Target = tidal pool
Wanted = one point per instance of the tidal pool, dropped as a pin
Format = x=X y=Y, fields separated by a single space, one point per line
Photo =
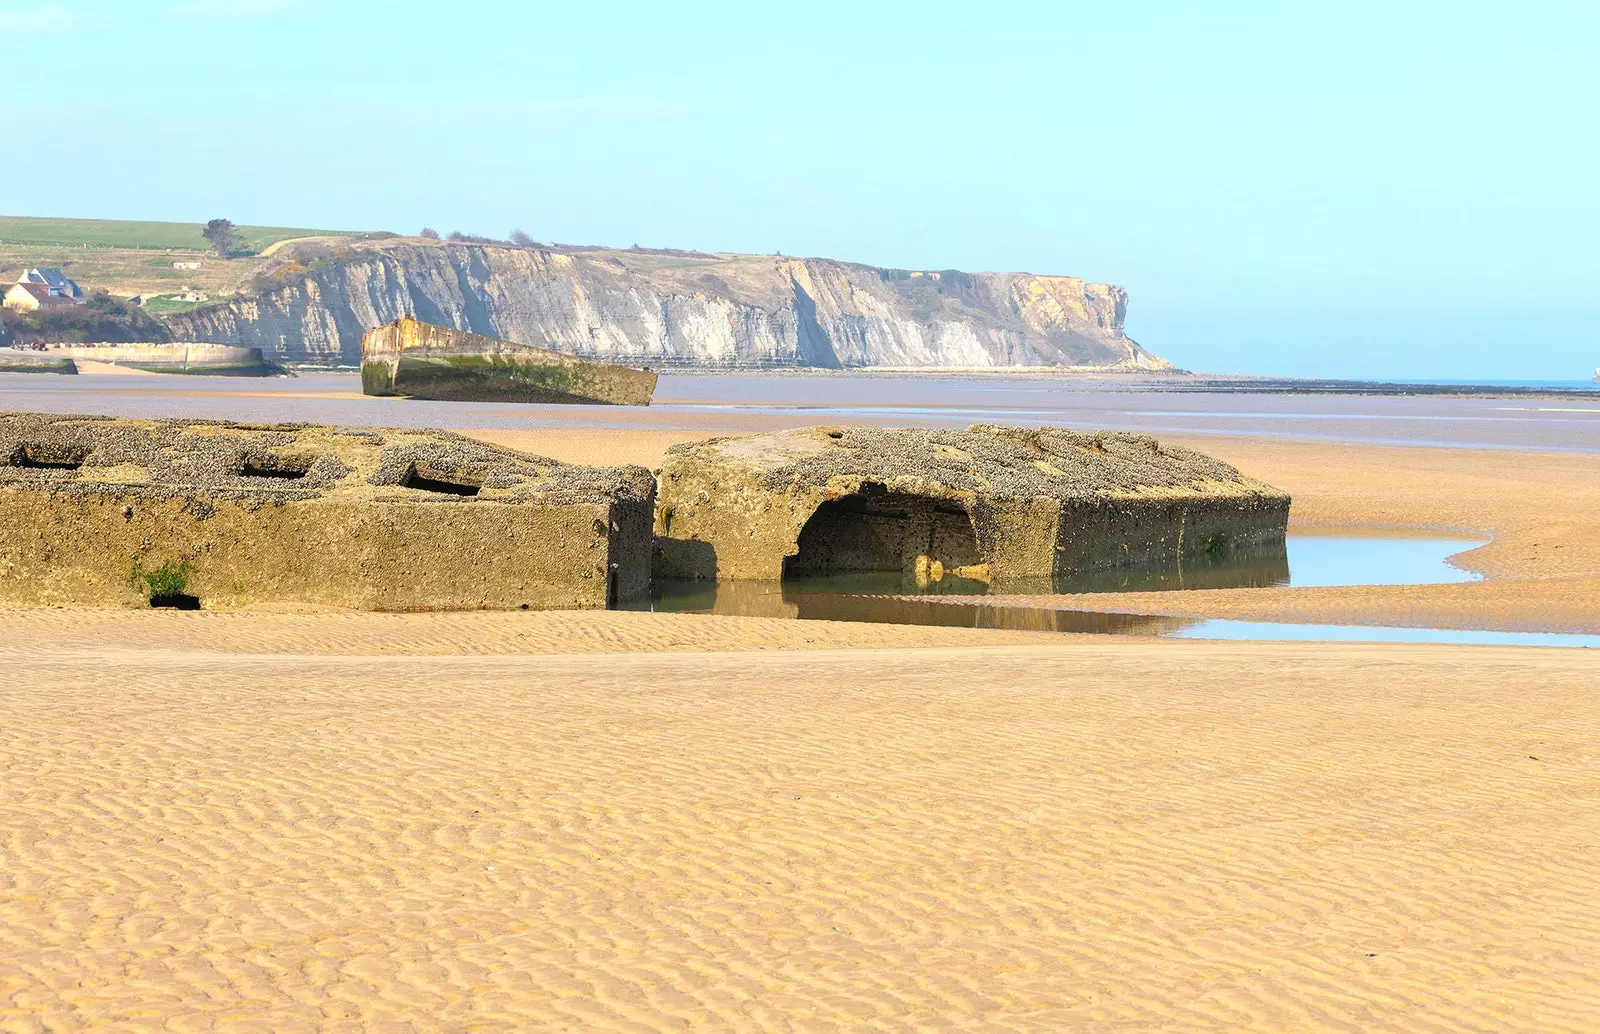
x=1316 y=556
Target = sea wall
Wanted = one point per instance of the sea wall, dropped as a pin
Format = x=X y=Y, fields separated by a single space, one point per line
x=656 y=308
x=174 y=357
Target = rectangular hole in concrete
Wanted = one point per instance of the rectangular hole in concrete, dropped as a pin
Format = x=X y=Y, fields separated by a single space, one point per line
x=285 y=468
x=175 y=601
x=454 y=485
x=36 y=457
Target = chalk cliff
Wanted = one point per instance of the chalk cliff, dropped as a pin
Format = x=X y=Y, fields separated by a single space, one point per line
x=664 y=308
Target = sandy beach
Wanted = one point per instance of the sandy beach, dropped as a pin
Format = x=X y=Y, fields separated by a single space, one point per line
x=1111 y=835
x=614 y=519
x=342 y=821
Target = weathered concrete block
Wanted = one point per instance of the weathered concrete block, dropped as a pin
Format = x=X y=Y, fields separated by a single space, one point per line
x=96 y=511
x=1003 y=506
x=177 y=357
x=15 y=360
x=416 y=359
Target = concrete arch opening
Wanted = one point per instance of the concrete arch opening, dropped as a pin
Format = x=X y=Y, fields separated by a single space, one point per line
x=877 y=540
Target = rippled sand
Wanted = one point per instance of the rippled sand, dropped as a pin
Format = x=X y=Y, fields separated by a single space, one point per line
x=617 y=821
x=1182 y=836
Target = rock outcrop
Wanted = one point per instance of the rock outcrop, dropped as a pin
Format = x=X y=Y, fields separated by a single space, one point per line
x=664 y=308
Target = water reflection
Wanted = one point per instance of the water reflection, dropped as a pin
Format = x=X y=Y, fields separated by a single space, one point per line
x=810 y=602
x=1323 y=556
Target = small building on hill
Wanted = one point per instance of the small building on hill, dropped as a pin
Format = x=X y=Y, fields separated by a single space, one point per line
x=30 y=297
x=58 y=282
x=42 y=288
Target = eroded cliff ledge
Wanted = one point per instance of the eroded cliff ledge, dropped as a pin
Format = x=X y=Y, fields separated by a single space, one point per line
x=664 y=308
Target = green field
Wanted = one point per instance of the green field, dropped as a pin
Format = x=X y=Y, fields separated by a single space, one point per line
x=167 y=306
x=121 y=233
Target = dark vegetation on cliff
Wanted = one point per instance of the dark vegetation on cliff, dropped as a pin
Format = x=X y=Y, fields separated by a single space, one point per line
x=101 y=318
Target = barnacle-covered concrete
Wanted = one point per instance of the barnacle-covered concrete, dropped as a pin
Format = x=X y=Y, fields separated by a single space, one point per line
x=992 y=504
x=98 y=511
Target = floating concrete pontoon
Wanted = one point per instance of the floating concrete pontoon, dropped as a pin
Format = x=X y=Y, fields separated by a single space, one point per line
x=95 y=511
x=419 y=360
x=1002 y=506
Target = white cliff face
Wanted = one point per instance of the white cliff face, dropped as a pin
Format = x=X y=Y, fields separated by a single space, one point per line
x=655 y=307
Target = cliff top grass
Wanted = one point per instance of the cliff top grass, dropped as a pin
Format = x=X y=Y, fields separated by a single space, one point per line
x=128 y=257
x=990 y=460
x=158 y=236
x=275 y=463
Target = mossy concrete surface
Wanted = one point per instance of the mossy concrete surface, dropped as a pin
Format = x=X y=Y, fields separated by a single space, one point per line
x=27 y=360
x=1002 y=505
x=420 y=360
x=179 y=357
x=103 y=512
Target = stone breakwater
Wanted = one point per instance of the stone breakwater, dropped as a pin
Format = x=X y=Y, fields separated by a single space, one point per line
x=656 y=308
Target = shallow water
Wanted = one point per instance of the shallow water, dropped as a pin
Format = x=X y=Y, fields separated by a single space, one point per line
x=1377 y=556
x=1287 y=632
x=1319 y=557
x=740 y=401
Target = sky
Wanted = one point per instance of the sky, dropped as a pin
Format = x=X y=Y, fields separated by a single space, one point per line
x=1399 y=189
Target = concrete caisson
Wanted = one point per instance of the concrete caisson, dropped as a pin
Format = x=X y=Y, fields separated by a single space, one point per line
x=1004 y=506
x=105 y=512
x=421 y=360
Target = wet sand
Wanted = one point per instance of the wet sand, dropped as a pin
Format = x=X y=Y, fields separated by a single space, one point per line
x=334 y=821
x=1543 y=510
x=731 y=403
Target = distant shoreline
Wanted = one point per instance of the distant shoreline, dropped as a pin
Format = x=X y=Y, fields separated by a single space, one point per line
x=1101 y=379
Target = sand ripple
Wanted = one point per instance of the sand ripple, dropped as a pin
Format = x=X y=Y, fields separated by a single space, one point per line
x=1126 y=836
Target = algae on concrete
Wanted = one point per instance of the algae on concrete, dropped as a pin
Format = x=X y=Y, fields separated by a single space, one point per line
x=1002 y=506
x=155 y=357
x=420 y=360
x=30 y=361
x=96 y=511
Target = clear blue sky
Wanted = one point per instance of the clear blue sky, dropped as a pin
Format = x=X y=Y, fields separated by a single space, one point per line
x=1363 y=189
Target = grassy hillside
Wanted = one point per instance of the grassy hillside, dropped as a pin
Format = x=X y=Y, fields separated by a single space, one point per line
x=122 y=233
x=126 y=257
